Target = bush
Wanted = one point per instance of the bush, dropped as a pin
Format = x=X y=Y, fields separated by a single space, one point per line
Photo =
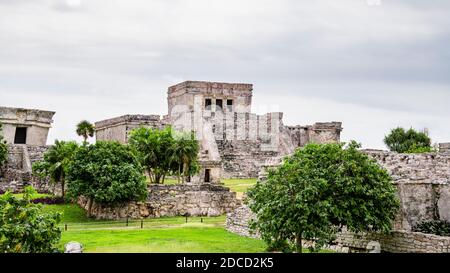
x=25 y=228
x=49 y=200
x=408 y=141
x=317 y=191
x=437 y=227
x=107 y=173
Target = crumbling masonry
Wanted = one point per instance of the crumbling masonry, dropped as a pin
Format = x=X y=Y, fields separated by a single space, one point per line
x=234 y=141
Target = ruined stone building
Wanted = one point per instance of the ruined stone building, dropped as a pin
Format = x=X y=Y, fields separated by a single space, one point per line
x=25 y=126
x=25 y=131
x=234 y=141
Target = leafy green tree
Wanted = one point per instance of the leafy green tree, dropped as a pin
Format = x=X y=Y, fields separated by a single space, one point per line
x=408 y=141
x=108 y=173
x=319 y=190
x=3 y=149
x=165 y=152
x=56 y=162
x=25 y=227
x=85 y=129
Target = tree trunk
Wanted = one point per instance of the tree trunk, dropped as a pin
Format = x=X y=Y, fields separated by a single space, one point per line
x=62 y=185
x=298 y=240
x=90 y=201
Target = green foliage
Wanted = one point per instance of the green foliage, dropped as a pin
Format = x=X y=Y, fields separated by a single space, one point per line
x=3 y=149
x=408 y=141
x=437 y=227
x=319 y=190
x=25 y=227
x=85 y=129
x=106 y=172
x=165 y=152
x=56 y=162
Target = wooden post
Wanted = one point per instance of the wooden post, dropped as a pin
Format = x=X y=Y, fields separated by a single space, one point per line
x=201 y=220
x=186 y=219
x=65 y=227
x=127 y=221
x=142 y=224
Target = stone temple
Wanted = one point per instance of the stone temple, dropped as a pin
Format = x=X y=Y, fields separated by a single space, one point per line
x=25 y=126
x=234 y=141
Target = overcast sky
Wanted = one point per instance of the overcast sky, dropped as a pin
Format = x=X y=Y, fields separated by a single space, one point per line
x=371 y=64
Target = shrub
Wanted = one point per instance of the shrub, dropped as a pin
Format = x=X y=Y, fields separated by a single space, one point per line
x=408 y=141
x=437 y=227
x=53 y=200
x=317 y=191
x=107 y=173
x=25 y=228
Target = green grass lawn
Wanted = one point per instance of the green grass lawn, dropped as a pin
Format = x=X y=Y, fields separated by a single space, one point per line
x=239 y=185
x=159 y=235
x=33 y=196
x=182 y=239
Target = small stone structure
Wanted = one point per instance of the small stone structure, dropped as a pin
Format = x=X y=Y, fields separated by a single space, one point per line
x=171 y=200
x=25 y=131
x=25 y=126
x=423 y=183
x=220 y=114
x=119 y=128
x=444 y=148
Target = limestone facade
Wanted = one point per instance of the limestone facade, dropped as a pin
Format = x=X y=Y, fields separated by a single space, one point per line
x=25 y=126
x=220 y=114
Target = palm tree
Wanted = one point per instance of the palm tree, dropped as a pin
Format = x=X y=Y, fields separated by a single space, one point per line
x=185 y=152
x=55 y=163
x=85 y=129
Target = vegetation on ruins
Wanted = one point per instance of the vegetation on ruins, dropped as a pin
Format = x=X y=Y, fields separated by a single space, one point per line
x=25 y=227
x=319 y=190
x=106 y=172
x=3 y=148
x=408 y=141
x=85 y=129
x=436 y=227
x=55 y=164
x=166 y=152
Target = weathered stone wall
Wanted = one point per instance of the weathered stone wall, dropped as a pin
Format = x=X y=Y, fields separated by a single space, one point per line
x=320 y=132
x=395 y=242
x=17 y=173
x=238 y=221
x=444 y=148
x=242 y=158
x=423 y=183
x=172 y=200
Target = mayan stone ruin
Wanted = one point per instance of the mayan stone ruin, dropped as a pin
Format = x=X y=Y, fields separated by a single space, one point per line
x=238 y=140
x=25 y=131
